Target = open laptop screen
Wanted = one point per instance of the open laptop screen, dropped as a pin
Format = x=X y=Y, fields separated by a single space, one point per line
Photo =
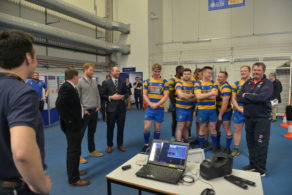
x=170 y=154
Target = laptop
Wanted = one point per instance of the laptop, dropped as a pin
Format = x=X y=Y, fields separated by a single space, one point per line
x=166 y=161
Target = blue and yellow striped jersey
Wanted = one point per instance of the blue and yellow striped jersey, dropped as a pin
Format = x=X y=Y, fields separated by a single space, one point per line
x=172 y=82
x=206 y=87
x=223 y=91
x=155 y=89
x=188 y=88
x=236 y=87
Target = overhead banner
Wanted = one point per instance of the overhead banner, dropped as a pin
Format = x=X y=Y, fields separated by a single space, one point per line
x=224 y=4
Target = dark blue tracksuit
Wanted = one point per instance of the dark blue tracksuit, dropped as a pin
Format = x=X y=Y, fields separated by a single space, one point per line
x=257 y=110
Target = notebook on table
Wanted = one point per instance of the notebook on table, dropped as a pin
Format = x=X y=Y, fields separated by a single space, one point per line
x=166 y=161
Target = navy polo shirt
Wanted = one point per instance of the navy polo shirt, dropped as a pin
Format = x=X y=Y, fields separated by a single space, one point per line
x=18 y=107
x=38 y=86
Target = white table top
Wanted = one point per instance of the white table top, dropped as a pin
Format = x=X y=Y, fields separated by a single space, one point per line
x=220 y=185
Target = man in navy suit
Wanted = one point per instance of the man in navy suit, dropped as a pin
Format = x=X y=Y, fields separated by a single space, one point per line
x=115 y=92
x=71 y=113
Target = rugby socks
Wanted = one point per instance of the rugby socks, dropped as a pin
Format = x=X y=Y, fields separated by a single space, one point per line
x=214 y=138
x=156 y=135
x=236 y=147
x=228 y=141
x=146 y=138
x=202 y=140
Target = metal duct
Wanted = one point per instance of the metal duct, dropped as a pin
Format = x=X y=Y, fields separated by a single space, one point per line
x=75 y=12
x=8 y=21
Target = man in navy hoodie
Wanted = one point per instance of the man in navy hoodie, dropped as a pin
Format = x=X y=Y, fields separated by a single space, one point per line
x=256 y=96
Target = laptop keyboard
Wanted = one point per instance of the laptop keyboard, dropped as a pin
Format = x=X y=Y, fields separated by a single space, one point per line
x=165 y=174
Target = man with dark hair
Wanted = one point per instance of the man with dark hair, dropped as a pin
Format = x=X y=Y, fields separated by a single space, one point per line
x=256 y=96
x=184 y=106
x=39 y=85
x=22 y=167
x=224 y=110
x=276 y=97
x=115 y=93
x=71 y=113
x=206 y=91
x=172 y=95
x=197 y=77
x=138 y=87
x=90 y=100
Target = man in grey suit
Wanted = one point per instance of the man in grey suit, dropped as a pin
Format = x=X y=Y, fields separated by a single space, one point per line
x=115 y=93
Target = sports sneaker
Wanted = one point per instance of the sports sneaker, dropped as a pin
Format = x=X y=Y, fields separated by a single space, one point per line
x=195 y=142
x=227 y=151
x=145 y=149
x=263 y=174
x=96 y=153
x=248 y=168
x=83 y=160
x=235 y=153
x=215 y=150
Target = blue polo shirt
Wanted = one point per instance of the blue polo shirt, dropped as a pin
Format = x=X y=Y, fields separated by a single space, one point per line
x=38 y=86
x=18 y=107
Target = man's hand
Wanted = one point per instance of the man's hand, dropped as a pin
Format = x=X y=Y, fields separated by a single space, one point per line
x=115 y=97
x=240 y=110
x=44 y=98
x=214 y=93
x=243 y=95
x=220 y=117
x=86 y=112
x=97 y=109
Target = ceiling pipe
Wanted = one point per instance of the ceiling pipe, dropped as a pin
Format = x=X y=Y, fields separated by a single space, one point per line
x=8 y=21
x=75 y=12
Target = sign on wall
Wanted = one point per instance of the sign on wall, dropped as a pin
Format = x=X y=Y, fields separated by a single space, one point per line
x=224 y=4
x=129 y=69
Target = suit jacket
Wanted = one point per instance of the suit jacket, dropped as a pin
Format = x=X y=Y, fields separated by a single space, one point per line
x=69 y=107
x=108 y=89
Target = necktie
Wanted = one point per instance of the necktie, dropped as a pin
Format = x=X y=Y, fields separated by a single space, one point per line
x=116 y=84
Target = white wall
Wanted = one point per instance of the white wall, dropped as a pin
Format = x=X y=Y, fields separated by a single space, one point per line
x=135 y=13
x=185 y=20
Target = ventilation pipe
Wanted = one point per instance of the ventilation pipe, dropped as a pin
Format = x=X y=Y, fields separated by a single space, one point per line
x=75 y=12
x=8 y=21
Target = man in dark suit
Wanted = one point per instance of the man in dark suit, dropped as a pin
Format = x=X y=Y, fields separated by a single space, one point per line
x=115 y=92
x=71 y=113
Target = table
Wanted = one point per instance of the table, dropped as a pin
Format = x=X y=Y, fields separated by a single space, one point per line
x=221 y=186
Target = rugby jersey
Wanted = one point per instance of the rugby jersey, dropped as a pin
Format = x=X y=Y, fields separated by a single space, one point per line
x=236 y=87
x=206 y=87
x=224 y=90
x=172 y=82
x=188 y=88
x=155 y=89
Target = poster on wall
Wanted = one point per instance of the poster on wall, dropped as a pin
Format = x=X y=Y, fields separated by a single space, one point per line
x=224 y=4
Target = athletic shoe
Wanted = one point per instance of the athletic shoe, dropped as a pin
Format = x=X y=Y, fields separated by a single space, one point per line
x=263 y=174
x=195 y=142
x=227 y=151
x=248 y=168
x=235 y=153
x=145 y=149
x=215 y=150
